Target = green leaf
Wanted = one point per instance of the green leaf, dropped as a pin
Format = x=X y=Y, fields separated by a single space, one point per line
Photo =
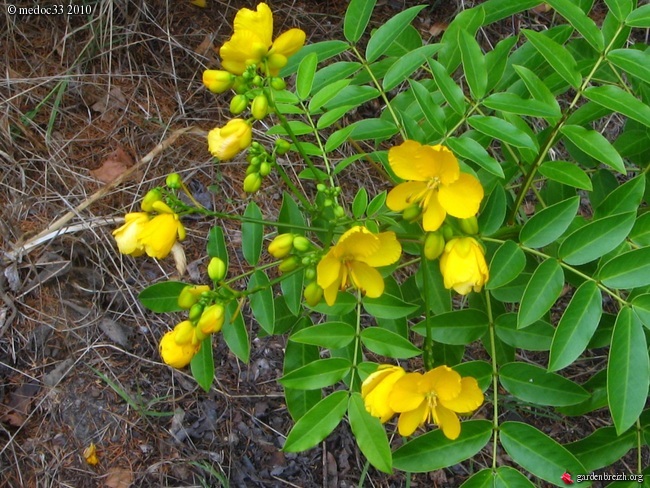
x=536 y=452
x=372 y=129
x=541 y=292
x=252 y=234
x=514 y=104
x=536 y=87
x=482 y=479
x=557 y=56
x=536 y=337
x=595 y=145
x=290 y=215
x=388 y=307
x=628 y=371
x=500 y=9
x=620 y=8
x=632 y=61
x=596 y=238
x=387 y=343
x=305 y=76
x=534 y=384
x=353 y=96
x=345 y=303
x=457 y=328
x=202 y=365
x=217 y=244
x=468 y=148
x=577 y=326
x=625 y=198
x=332 y=335
x=479 y=370
x=438 y=298
x=326 y=94
x=432 y=112
x=628 y=270
x=317 y=423
x=360 y=203
x=369 y=434
x=602 y=448
x=334 y=73
x=292 y=286
x=235 y=334
x=507 y=263
x=502 y=130
x=507 y=477
x=356 y=19
x=641 y=306
x=493 y=212
x=297 y=355
x=433 y=450
x=566 y=173
x=618 y=100
x=407 y=64
x=473 y=64
x=298 y=127
x=324 y=50
x=639 y=17
x=162 y=297
x=580 y=21
x=640 y=233
x=261 y=300
x=318 y=374
x=386 y=34
x=451 y=92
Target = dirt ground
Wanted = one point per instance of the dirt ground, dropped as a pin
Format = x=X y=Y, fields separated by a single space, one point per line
x=83 y=97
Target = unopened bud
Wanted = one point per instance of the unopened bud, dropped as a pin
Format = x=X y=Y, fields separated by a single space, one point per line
x=282 y=147
x=313 y=294
x=174 y=181
x=260 y=106
x=412 y=213
x=469 y=225
x=265 y=169
x=434 y=244
x=447 y=232
x=252 y=183
x=217 y=269
x=281 y=246
x=212 y=319
x=190 y=295
x=238 y=104
x=339 y=212
x=301 y=244
x=278 y=84
x=289 y=264
x=152 y=196
x=183 y=333
x=195 y=312
x=310 y=274
x=218 y=81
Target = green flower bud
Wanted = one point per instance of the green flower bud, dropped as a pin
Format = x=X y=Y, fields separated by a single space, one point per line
x=217 y=269
x=250 y=169
x=434 y=245
x=447 y=232
x=320 y=187
x=282 y=147
x=339 y=212
x=260 y=106
x=469 y=225
x=310 y=274
x=412 y=213
x=240 y=86
x=289 y=264
x=195 y=312
x=238 y=104
x=257 y=81
x=256 y=161
x=212 y=319
x=301 y=244
x=191 y=294
x=265 y=168
x=313 y=294
x=174 y=181
x=281 y=246
x=252 y=183
x=278 y=84
x=154 y=195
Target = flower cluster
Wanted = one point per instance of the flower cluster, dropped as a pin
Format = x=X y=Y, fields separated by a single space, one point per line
x=437 y=396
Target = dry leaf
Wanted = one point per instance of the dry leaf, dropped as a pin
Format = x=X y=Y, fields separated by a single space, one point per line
x=90 y=454
x=114 y=99
x=119 y=478
x=19 y=404
x=179 y=258
x=438 y=28
x=541 y=8
x=206 y=49
x=113 y=166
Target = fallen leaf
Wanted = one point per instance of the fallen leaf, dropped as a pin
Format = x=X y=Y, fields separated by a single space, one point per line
x=438 y=28
x=115 y=164
x=542 y=8
x=114 y=99
x=119 y=478
x=19 y=404
x=206 y=49
x=90 y=454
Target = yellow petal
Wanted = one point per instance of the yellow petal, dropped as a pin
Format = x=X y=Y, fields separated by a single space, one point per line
x=406 y=393
x=331 y=292
x=127 y=235
x=448 y=422
x=469 y=399
x=443 y=381
x=462 y=198
x=259 y=21
x=463 y=265
x=159 y=235
x=434 y=214
x=388 y=253
x=244 y=48
x=402 y=160
x=438 y=162
x=329 y=271
x=411 y=420
x=405 y=194
x=376 y=390
x=357 y=243
x=288 y=43
x=367 y=279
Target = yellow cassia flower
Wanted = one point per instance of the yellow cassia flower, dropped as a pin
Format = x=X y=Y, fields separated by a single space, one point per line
x=376 y=390
x=436 y=396
x=463 y=265
x=159 y=234
x=127 y=236
x=353 y=259
x=177 y=348
x=218 y=81
x=252 y=42
x=434 y=182
x=226 y=142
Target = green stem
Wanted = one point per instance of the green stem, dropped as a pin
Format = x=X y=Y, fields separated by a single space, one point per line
x=495 y=381
x=427 y=356
x=357 y=339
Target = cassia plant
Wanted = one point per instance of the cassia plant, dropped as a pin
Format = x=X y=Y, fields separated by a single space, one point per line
x=507 y=156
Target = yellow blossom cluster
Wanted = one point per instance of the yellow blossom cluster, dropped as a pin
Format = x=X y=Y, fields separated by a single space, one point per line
x=437 y=396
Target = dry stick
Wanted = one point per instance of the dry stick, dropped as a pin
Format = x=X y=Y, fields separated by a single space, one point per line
x=54 y=228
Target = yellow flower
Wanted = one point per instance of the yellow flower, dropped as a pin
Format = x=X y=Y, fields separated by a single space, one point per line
x=174 y=354
x=127 y=236
x=252 y=43
x=376 y=390
x=211 y=320
x=353 y=259
x=90 y=454
x=227 y=141
x=159 y=234
x=435 y=183
x=217 y=80
x=463 y=265
x=436 y=396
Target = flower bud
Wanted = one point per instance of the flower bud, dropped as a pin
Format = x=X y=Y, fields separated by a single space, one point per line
x=238 y=104
x=313 y=294
x=195 y=312
x=434 y=244
x=174 y=181
x=260 y=106
x=282 y=147
x=227 y=141
x=447 y=232
x=301 y=244
x=190 y=295
x=218 y=81
x=154 y=195
x=217 y=269
x=257 y=81
x=412 y=213
x=175 y=355
x=281 y=246
x=310 y=274
x=252 y=183
x=212 y=319
x=278 y=84
x=183 y=332
x=289 y=264
x=265 y=168
x=469 y=225
x=463 y=265
x=240 y=87
x=339 y=212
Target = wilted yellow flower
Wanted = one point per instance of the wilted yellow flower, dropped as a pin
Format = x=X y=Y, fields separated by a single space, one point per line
x=252 y=43
x=463 y=265
x=434 y=182
x=90 y=454
x=158 y=235
x=436 y=396
x=228 y=141
x=352 y=261
x=217 y=80
x=174 y=354
x=376 y=390
x=128 y=235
